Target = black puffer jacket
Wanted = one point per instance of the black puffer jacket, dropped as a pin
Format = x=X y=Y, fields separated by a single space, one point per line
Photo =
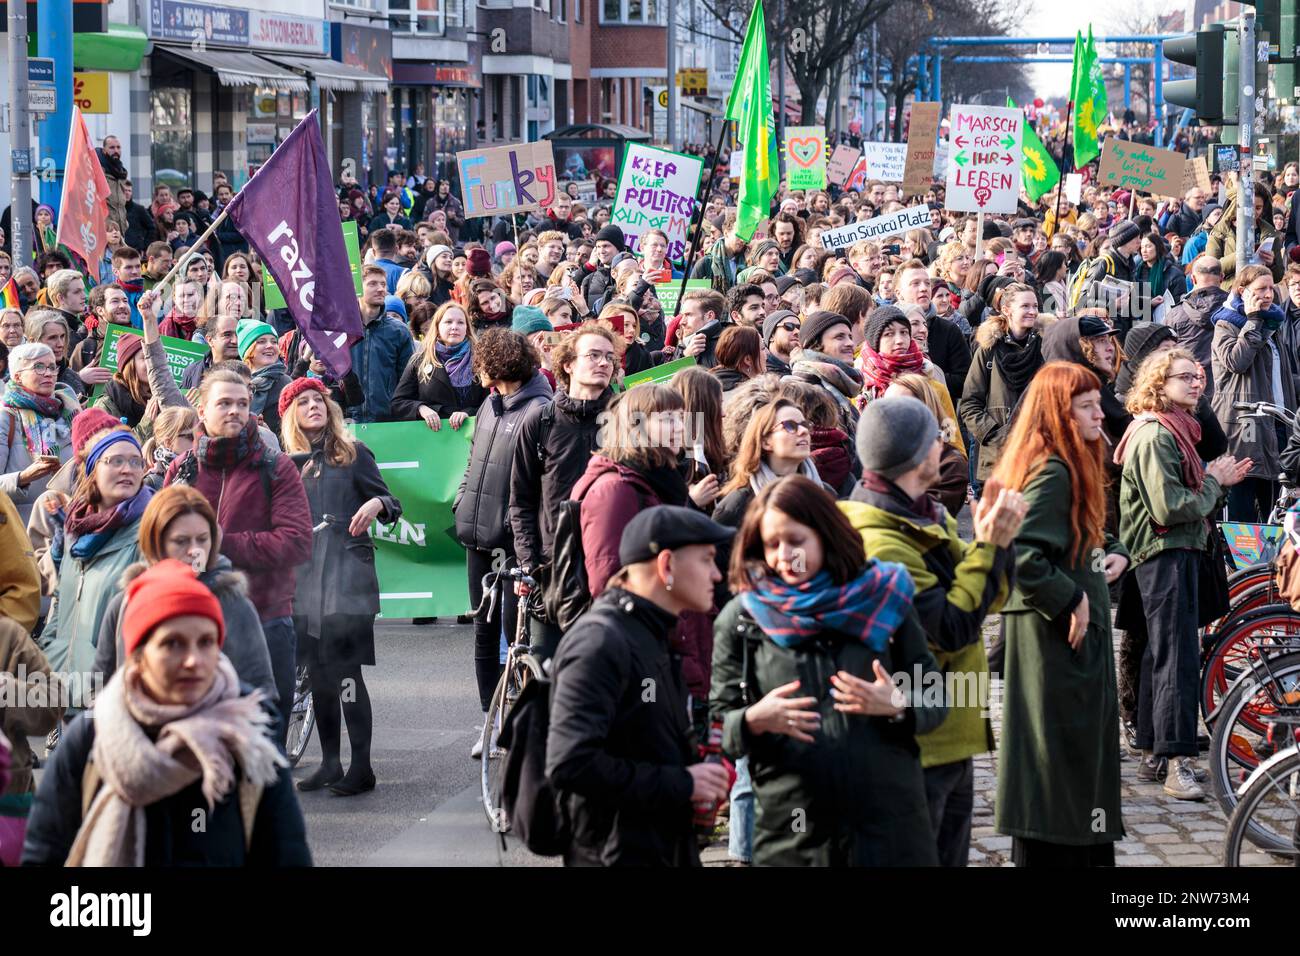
x=1193 y=325
x=617 y=754
x=548 y=462
x=436 y=391
x=483 y=500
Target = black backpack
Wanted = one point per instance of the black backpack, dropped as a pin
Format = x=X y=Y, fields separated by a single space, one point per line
x=532 y=806
x=566 y=593
x=188 y=471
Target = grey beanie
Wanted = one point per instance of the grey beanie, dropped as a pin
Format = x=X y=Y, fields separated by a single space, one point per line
x=1123 y=232
x=895 y=435
x=817 y=324
x=775 y=319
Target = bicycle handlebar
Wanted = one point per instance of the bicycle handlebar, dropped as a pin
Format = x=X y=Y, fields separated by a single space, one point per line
x=493 y=578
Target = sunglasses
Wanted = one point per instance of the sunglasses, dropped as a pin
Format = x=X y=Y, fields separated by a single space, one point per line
x=794 y=428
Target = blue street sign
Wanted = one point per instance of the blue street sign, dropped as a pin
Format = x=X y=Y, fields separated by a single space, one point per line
x=40 y=69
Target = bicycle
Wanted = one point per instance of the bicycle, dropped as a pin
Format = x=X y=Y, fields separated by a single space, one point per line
x=302 y=715
x=520 y=667
x=1267 y=812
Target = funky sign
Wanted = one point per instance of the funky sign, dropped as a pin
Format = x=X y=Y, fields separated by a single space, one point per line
x=984 y=159
x=805 y=157
x=1145 y=168
x=506 y=179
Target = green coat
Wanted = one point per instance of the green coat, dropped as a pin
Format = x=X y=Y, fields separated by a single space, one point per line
x=1058 y=776
x=79 y=603
x=1156 y=510
x=856 y=797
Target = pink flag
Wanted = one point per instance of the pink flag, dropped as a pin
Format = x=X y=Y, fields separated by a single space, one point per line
x=83 y=211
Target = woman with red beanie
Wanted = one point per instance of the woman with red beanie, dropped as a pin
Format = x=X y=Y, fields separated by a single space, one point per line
x=173 y=735
x=338 y=592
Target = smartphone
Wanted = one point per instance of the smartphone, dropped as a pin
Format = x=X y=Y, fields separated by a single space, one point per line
x=1266 y=245
x=893 y=250
x=50 y=459
x=1000 y=258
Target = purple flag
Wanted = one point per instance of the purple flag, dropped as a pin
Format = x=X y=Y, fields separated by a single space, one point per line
x=289 y=213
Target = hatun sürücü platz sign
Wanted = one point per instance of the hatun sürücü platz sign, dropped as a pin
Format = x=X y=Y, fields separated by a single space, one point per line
x=984 y=158
x=894 y=224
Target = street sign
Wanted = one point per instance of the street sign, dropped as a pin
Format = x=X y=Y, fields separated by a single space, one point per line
x=21 y=160
x=40 y=69
x=984 y=159
x=694 y=82
x=41 y=99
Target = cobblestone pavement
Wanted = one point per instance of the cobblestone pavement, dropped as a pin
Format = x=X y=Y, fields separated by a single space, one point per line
x=1160 y=831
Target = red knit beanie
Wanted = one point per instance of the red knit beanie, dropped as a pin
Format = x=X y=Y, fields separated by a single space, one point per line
x=297 y=387
x=88 y=423
x=127 y=346
x=169 y=589
x=479 y=263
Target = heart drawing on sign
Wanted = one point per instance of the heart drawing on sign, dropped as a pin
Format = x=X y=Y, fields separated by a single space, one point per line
x=805 y=151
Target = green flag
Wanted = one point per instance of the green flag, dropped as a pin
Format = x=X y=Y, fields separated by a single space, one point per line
x=750 y=107
x=1037 y=168
x=1088 y=92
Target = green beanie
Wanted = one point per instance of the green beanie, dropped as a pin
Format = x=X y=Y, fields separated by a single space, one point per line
x=249 y=331
x=529 y=319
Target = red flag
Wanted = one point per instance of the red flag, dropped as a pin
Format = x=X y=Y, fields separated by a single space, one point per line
x=83 y=211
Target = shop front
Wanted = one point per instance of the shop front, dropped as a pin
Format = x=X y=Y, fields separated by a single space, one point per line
x=429 y=117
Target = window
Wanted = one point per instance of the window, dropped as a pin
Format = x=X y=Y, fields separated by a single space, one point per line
x=577 y=11
x=172 y=136
x=637 y=12
x=355 y=4
x=425 y=16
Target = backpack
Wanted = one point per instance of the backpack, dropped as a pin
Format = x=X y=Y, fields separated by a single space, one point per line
x=532 y=807
x=1078 y=281
x=188 y=470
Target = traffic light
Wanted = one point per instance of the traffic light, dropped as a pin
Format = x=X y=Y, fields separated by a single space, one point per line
x=1286 y=81
x=1209 y=94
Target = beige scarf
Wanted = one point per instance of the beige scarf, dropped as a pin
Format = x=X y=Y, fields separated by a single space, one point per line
x=202 y=742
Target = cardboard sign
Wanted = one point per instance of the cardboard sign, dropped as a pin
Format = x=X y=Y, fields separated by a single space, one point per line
x=181 y=353
x=885 y=161
x=736 y=164
x=1225 y=159
x=894 y=224
x=1073 y=187
x=1145 y=168
x=586 y=192
x=505 y=179
x=841 y=165
x=941 y=159
x=984 y=158
x=1196 y=175
x=274 y=298
x=805 y=157
x=656 y=190
x=922 y=136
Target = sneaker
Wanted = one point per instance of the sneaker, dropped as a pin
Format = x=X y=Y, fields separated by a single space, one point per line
x=1152 y=769
x=1130 y=738
x=1200 y=773
x=51 y=741
x=476 y=752
x=1181 y=782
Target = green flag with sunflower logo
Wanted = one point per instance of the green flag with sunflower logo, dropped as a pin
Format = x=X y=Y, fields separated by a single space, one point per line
x=1088 y=92
x=1037 y=168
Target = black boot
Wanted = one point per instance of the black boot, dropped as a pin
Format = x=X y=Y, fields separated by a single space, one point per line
x=327 y=774
x=352 y=784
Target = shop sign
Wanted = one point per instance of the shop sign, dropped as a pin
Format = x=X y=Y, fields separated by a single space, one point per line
x=277 y=31
x=90 y=92
x=198 y=23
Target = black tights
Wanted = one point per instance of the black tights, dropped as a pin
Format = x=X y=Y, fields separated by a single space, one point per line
x=330 y=688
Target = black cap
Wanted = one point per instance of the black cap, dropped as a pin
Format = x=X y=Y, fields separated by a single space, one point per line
x=1025 y=224
x=1090 y=326
x=666 y=528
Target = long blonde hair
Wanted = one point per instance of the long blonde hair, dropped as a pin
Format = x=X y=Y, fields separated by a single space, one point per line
x=340 y=447
x=428 y=357
x=623 y=435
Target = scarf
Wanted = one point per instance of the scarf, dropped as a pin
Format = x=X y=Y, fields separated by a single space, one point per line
x=1018 y=361
x=668 y=483
x=1186 y=431
x=179 y=326
x=205 y=742
x=870 y=607
x=879 y=370
x=765 y=475
x=90 y=529
x=459 y=363
x=124 y=402
x=224 y=454
x=721 y=265
x=131 y=288
x=830 y=456
x=923 y=507
x=264 y=380
x=1233 y=311
x=840 y=379
x=46 y=420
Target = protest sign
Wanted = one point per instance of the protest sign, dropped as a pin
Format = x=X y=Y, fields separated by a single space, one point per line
x=858 y=178
x=885 y=161
x=667 y=293
x=420 y=563
x=274 y=298
x=1196 y=175
x=181 y=353
x=1226 y=159
x=1145 y=168
x=985 y=155
x=922 y=134
x=841 y=165
x=1073 y=187
x=660 y=373
x=586 y=192
x=940 y=159
x=894 y=224
x=656 y=190
x=736 y=164
x=504 y=179
x=805 y=157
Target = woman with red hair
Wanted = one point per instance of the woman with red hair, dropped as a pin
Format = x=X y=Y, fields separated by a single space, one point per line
x=1058 y=775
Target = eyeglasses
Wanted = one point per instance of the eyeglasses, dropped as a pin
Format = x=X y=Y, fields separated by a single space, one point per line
x=1190 y=378
x=794 y=428
x=40 y=368
x=597 y=357
x=131 y=462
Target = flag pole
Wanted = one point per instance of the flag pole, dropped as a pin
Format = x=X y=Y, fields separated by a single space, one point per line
x=1065 y=161
x=702 y=199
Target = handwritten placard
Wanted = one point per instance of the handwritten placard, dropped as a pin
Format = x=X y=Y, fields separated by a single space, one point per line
x=885 y=161
x=922 y=137
x=843 y=159
x=505 y=179
x=1147 y=169
x=1196 y=175
x=805 y=157
x=656 y=190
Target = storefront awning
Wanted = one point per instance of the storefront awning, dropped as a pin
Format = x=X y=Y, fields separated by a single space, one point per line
x=238 y=69
x=333 y=75
x=120 y=48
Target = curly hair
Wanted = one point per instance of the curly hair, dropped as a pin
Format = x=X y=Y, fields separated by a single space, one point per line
x=1148 y=391
x=566 y=353
x=504 y=355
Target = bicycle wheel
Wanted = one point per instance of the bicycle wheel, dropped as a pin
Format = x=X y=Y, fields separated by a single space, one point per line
x=302 y=718
x=1269 y=691
x=1233 y=647
x=491 y=763
x=1267 y=813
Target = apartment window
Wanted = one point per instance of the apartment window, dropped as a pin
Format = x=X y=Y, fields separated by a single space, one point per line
x=431 y=17
x=355 y=4
x=577 y=11
x=557 y=10
x=632 y=12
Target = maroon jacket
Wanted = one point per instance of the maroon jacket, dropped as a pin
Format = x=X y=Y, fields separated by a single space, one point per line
x=266 y=539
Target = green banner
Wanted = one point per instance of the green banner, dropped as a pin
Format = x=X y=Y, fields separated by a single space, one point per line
x=181 y=353
x=667 y=293
x=274 y=298
x=420 y=563
x=660 y=373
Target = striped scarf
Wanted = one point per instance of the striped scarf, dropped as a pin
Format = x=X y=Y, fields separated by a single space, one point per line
x=870 y=607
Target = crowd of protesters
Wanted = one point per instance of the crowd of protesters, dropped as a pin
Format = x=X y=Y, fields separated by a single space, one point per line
x=770 y=534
